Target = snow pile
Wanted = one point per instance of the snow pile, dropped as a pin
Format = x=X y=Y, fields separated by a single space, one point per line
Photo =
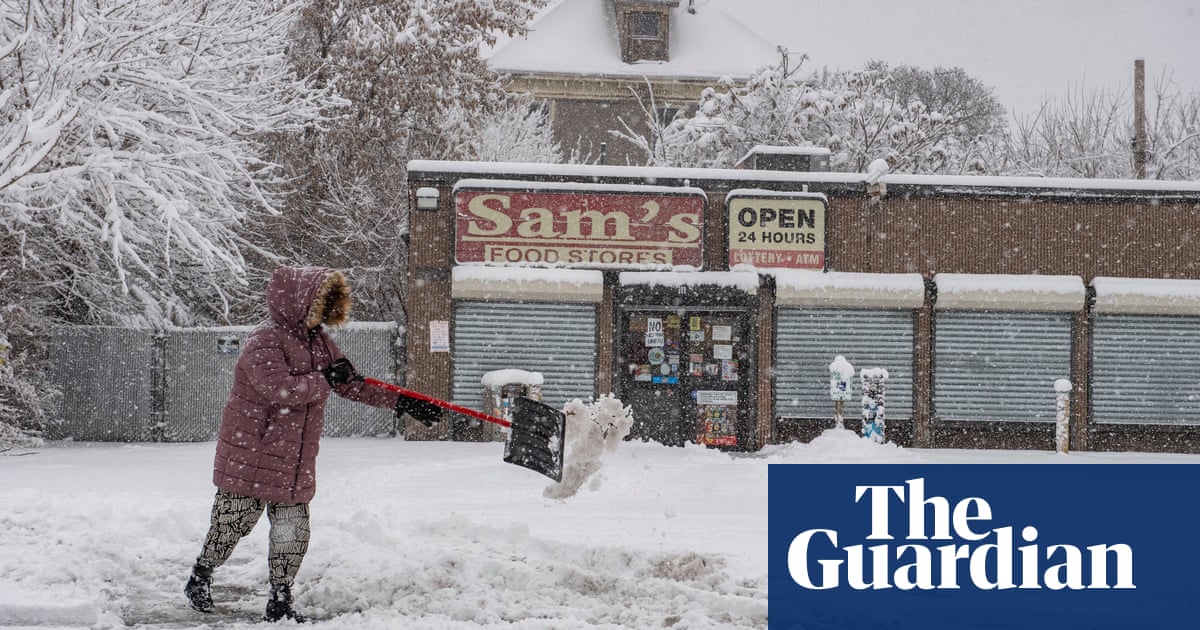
x=591 y=430
x=836 y=446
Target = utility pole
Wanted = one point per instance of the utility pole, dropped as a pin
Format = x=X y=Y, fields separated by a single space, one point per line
x=1139 y=118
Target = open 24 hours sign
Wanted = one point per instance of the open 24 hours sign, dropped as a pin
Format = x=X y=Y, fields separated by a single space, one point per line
x=545 y=224
x=777 y=229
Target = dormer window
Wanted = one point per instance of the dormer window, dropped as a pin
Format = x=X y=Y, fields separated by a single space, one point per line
x=645 y=25
x=645 y=29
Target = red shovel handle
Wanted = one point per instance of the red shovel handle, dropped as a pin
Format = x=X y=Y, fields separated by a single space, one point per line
x=441 y=403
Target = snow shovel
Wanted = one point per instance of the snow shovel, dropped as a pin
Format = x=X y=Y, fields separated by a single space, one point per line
x=536 y=434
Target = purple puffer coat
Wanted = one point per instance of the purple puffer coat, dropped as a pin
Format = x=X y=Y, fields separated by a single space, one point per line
x=271 y=426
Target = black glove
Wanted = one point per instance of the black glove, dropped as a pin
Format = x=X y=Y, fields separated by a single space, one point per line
x=341 y=372
x=426 y=413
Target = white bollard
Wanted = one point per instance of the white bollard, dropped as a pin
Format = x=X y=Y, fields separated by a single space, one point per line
x=1062 y=420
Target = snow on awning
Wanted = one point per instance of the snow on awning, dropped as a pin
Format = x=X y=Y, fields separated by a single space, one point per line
x=744 y=280
x=525 y=284
x=843 y=289
x=1147 y=296
x=1001 y=292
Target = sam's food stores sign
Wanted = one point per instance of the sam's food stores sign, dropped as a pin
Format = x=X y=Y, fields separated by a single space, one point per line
x=574 y=225
x=774 y=229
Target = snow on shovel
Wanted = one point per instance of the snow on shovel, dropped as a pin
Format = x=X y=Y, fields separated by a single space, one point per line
x=536 y=433
x=595 y=428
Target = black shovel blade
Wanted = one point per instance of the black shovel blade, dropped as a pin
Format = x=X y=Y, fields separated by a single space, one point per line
x=536 y=438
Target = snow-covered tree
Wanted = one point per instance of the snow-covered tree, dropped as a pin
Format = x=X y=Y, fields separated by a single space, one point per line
x=26 y=397
x=414 y=87
x=131 y=150
x=1089 y=133
x=950 y=91
x=517 y=131
x=728 y=120
x=1079 y=135
x=1173 y=134
x=867 y=114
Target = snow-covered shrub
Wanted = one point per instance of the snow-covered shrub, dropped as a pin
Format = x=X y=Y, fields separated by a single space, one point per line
x=27 y=400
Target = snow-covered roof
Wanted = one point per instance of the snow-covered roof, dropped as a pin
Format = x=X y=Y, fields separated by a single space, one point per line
x=1009 y=292
x=579 y=37
x=587 y=187
x=1155 y=296
x=966 y=184
x=527 y=284
x=794 y=287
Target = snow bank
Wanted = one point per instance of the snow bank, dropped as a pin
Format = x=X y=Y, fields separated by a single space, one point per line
x=422 y=535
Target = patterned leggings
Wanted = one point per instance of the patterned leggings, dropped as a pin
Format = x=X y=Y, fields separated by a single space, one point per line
x=233 y=516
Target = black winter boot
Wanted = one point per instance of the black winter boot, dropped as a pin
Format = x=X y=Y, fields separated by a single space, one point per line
x=279 y=606
x=199 y=589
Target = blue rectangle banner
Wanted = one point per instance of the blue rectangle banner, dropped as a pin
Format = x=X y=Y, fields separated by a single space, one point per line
x=983 y=547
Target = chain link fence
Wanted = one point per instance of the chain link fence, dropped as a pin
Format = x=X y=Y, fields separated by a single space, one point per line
x=125 y=385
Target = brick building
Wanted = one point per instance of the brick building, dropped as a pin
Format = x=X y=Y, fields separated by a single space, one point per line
x=713 y=301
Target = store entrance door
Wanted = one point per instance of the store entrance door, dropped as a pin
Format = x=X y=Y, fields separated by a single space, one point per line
x=686 y=372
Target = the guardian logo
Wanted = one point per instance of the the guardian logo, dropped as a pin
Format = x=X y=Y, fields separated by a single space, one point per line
x=983 y=546
x=949 y=545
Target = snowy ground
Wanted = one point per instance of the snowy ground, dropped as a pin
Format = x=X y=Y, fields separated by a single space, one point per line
x=419 y=535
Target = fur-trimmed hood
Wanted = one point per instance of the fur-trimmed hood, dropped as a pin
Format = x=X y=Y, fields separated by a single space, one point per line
x=302 y=298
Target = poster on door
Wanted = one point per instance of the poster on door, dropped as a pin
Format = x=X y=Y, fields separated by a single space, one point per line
x=716 y=417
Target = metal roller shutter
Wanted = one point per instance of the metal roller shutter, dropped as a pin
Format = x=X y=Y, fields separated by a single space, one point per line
x=1146 y=369
x=999 y=366
x=557 y=340
x=807 y=340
